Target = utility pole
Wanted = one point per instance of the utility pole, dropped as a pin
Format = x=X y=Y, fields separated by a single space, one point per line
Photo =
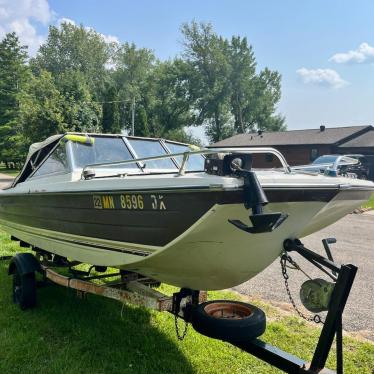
x=133 y=116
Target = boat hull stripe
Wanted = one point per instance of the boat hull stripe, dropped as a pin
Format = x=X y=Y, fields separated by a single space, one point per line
x=149 y=219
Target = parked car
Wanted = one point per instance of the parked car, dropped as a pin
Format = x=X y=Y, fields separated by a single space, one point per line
x=353 y=165
x=361 y=169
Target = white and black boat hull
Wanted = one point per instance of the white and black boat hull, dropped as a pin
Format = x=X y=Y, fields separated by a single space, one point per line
x=178 y=236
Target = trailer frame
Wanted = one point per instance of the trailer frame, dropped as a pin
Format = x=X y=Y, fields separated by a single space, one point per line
x=137 y=289
x=331 y=328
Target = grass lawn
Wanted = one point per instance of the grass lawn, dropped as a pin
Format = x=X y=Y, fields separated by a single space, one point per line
x=69 y=335
x=370 y=203
x=10 y=172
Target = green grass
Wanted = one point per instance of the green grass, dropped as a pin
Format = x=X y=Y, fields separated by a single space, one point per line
x=370 y=203
x=10 y=172
x=69 y=335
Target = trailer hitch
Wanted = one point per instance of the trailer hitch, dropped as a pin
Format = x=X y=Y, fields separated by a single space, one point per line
x=255 y=199
x=181 y=309
x=183 y=303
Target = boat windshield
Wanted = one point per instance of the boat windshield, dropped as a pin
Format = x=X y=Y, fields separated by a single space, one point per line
x=195 y=162
x=150 y=148
x=103 y=150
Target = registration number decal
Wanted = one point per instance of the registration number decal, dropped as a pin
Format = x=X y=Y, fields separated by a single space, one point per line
x=129 y=202
x=132 y=202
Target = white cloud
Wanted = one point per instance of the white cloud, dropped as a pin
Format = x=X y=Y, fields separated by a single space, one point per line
x=321 y=77
x=25 y=16
x=364 y=53
x=21 y=16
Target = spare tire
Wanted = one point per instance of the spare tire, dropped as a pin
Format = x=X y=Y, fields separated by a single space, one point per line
x=229 y=320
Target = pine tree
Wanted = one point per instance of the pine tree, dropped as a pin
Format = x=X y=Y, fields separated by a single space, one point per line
x=13 y=76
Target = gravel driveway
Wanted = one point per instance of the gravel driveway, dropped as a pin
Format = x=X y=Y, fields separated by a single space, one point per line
x=355 y=245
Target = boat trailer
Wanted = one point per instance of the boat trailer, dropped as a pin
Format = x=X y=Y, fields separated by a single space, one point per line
x=136 y=289
x=332 y=326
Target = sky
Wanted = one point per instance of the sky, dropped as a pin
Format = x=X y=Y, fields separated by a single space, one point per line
x=324 y=50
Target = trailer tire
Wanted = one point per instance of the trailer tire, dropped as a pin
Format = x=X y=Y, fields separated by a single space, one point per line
x=229 y=320
x=24 y=289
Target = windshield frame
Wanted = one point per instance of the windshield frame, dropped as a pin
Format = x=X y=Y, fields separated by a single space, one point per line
x=165 y=142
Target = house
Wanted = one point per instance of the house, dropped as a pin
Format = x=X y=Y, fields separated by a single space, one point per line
x=301 y=147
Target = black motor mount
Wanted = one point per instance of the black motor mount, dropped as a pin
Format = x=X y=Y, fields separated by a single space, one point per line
x=254 y=196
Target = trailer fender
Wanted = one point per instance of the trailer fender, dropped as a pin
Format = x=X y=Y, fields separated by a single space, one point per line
x=25 y=263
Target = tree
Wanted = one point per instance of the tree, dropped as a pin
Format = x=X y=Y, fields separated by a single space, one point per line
x=171 y=110
x=158 y=89
x=80 y=112
x=267 y=95
x=75 y=48
x=226 y=93
x=253 y=96
x=76 y=58
x=242 y=80
x=209 y=83
x=133 y=68
x=13 y=77
x=111 y=122
x=183 y=136
x=79 y=82
x=258 y=110
x=41 y=109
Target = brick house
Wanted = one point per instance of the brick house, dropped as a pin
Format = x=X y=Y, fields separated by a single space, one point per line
x=301 y=147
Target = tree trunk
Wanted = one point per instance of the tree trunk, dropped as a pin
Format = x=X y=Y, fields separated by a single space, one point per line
x=239 y=114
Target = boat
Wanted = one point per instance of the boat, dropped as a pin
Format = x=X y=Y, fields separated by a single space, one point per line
x=203 y=219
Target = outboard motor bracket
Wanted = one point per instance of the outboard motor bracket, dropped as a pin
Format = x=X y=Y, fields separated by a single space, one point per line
x=255 y=199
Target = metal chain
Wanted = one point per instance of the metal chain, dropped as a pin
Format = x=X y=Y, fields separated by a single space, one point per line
x=284 y=258
x=179 y=335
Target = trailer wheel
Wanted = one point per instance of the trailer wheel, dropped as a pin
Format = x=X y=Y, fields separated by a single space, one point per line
x=24 y=290
x=229 y=320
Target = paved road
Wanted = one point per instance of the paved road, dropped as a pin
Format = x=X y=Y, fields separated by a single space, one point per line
x=355 y=235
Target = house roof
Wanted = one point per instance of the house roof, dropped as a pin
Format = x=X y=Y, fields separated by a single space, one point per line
x=363 y=140
x=331 y=135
